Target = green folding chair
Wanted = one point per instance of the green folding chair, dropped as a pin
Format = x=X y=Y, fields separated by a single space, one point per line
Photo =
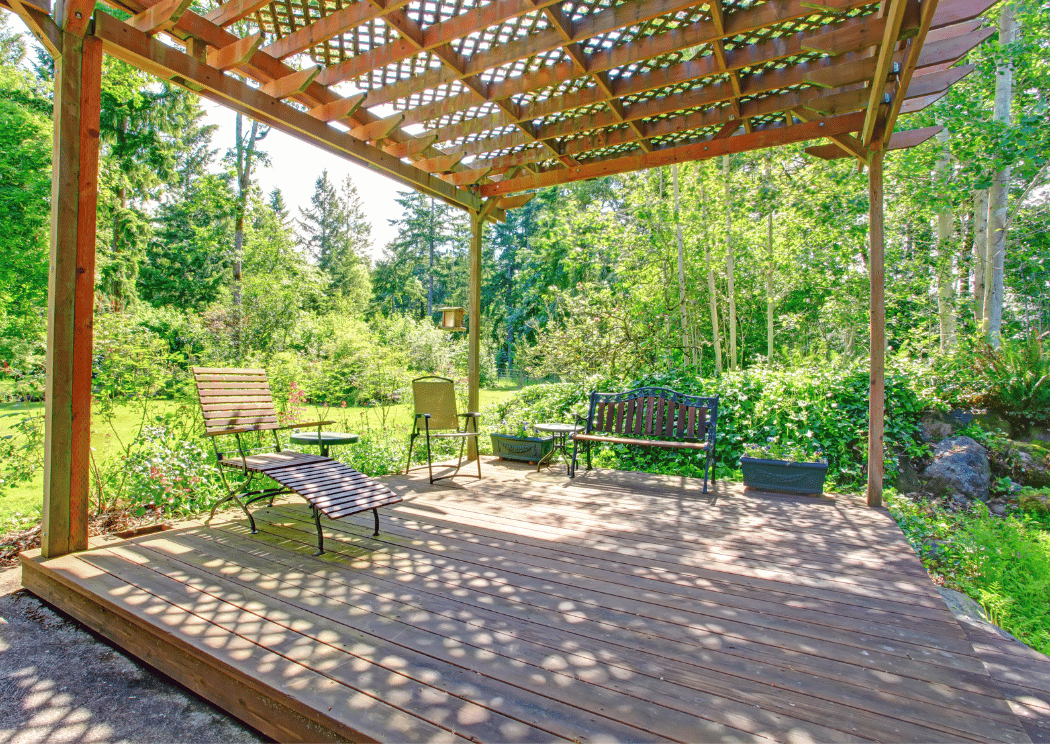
x=438 y=417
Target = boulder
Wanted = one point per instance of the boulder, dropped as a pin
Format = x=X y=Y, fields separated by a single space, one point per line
x=992 y=421
x=935 y=426
x=906 y=479
x=1030 y=464
x=960 y=469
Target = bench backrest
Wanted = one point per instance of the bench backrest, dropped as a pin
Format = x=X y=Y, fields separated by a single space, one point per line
x=653 y=412
x=235 y=400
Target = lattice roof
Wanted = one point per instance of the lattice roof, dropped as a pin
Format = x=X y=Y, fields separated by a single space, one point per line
x=468 y=100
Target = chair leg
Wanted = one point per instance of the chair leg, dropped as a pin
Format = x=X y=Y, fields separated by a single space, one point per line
x=233 y=497
x=411 y=441
x=479 y=460
x=320 y=535
x=430 y=459
x=572 y=467
x=588 y=455
x=375 y=515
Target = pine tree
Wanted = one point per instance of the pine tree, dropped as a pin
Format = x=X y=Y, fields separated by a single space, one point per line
x=322 y=227
x=277 y=204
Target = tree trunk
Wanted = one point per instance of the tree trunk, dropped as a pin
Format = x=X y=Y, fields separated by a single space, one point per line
x=681 y=270
x=945 y=278
x=246 y=153
x=730 y=266
x=997 y=194
x=769 y=266
x=430 y=247
x=980 y=252
x=716 y=337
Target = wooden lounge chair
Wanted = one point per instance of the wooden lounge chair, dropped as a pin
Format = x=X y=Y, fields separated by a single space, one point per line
x=437 y=416
x=237 y=402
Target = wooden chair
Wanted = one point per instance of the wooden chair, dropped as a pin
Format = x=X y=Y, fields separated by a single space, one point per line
x=437 y=416
x=237 y=402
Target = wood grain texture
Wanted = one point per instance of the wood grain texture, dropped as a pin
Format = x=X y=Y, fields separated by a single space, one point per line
x=615 y=607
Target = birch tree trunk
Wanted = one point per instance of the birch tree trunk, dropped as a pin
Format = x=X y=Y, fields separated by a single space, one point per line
x=980 y=252
x=681 y=270
x=945 y=279
x=730 y=266
x=769 y=289
x=997 y=194
x=716 y=337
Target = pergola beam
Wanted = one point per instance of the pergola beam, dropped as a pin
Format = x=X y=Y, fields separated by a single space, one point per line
x=756 y=140
x=133 y=46
x=894 y=17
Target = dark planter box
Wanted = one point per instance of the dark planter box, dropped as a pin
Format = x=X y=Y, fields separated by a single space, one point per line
x=522 y=449
x=783 y=475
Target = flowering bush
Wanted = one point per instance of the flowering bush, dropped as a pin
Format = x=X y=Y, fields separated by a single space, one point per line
x=774 y=449
x=170 y=472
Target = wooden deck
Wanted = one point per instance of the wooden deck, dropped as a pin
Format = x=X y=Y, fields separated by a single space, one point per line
x=525 y=607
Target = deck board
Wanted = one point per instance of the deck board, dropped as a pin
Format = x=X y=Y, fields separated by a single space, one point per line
x=527 y=607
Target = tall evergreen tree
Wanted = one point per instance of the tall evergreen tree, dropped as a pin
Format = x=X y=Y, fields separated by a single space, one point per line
x=322 y=226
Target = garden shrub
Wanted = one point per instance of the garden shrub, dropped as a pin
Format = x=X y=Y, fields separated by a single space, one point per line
x=176 y=474
x=1014 y=381
x=1003 y=563
x=821 y=408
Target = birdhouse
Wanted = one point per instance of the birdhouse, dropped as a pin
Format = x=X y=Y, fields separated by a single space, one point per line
x=452 y=319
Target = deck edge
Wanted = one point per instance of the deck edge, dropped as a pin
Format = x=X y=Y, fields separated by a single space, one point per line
x=275 y=714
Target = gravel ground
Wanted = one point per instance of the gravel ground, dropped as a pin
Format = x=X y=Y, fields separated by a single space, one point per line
x=59 y=683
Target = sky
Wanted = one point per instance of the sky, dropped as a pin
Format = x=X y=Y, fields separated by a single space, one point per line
x=296 y=165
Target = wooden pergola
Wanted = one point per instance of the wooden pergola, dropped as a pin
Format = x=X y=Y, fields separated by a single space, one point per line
x=476 y=103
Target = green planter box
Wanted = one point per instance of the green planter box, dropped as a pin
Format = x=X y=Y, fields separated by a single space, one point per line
x=521 y=449
x=784 y=476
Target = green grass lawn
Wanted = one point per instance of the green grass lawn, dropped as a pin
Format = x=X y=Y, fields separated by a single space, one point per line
x=20 y=505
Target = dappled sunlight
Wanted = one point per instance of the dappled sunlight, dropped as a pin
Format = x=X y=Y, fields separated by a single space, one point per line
x=535 y=609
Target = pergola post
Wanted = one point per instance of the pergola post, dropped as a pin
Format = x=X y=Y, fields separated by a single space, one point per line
x=474 y=313
x=877 y=278
x=71 y=288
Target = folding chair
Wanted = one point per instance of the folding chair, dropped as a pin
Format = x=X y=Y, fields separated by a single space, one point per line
x=438 y=417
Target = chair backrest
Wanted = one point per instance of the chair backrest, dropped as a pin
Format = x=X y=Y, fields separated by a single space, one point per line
x=235 y=400
x=436 y=396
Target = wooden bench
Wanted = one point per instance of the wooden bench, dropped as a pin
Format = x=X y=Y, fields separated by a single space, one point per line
x=651 y=417
x=237 y=402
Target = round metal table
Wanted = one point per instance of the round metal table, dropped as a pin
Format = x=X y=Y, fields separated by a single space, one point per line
x=325 y=438
x=560 y=434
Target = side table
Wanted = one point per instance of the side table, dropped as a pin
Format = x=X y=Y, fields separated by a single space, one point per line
x=325 y=439
x=560 y=433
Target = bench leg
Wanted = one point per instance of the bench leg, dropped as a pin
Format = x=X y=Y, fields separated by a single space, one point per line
x=588 y=455
x=375 y=515
x=708 y=467
x=320 y=535
x=572 y=466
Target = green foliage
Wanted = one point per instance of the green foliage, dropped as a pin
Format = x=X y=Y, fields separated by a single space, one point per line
x=25 y=190
x=774 y=449
x=20 y=449
x=1003 y=563
x=809 y=409
x=171 y=472
x=1015 y=382
x=187 y=255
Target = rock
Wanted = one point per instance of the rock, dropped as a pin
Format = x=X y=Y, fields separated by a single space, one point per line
x=935 y=426
x=991 y=421
x=907 y=478
x=1039 y=435
x=1030 y=464
x=960 y=469
x=1033 y=503
x=999 y=509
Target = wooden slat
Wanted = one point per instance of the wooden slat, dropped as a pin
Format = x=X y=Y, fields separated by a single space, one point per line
x=670 y=615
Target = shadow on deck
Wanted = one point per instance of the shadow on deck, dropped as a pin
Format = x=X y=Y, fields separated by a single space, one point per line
x=613 y=607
